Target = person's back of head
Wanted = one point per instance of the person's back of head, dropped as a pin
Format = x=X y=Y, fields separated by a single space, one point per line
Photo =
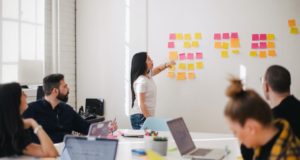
x=278 y=78
x=51 y=81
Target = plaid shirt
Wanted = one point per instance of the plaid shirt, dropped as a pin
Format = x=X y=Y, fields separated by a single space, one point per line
x=287 y=145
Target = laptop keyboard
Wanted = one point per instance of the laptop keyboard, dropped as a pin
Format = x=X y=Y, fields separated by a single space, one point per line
x=200 y=152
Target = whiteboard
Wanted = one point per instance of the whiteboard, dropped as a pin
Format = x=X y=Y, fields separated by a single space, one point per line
x=201 y=101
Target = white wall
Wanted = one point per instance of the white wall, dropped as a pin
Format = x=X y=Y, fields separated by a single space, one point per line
x=103 y=48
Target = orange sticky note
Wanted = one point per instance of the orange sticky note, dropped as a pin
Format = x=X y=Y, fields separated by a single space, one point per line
x=218 y=45
x=225 y=45
x=271 y=45
x=270 y=37
x=173 y=55
x=195 y=44
x=187 y=36
x=187 y=44
x=253 y=54
x=294 y=30
x=179 y=36
x=235 y=51
x=234 y=43
x=292 y=22
x=262 y=54
x=272 y=53
x=199 y=65
x=171 y=75
x=191 y=66
x=181 y=66
x=191 y=75
x=198 y=36
x=224 y=54
x=181 y=76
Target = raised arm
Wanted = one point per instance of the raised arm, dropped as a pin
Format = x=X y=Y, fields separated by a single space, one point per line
x=162 y=67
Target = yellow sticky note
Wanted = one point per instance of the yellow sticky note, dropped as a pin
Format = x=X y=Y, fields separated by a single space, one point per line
x=173 y=55
x=191 y=66
x=199 y=65
x=171 y=75
x=181 y=66
x=225 y=45
x=262 y=54
x=218 y=45
x=234 y=43
x=181 y=76
x=179 y=36
x=187 y=36
x=172 y=68
x=272 y=53
x=198 y=36
x=235 y=51
x=270 y=37
x=253 y=54
x=294 y=30
x=191 y=75
x=271 y=45
x=292 y=22
x=151 y=155
x=195 y=44
x=224 y=54
x=187 y=44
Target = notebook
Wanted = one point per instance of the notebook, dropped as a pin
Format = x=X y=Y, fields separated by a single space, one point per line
x=186 y=145
x=100 y=129
x=79 y=148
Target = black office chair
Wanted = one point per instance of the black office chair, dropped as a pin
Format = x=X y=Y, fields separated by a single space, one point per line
x=40 y=93
x=94 y=110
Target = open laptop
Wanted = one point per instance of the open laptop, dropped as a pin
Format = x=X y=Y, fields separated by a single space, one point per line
x=79 y=148
x=186 y=145
x=100 y=129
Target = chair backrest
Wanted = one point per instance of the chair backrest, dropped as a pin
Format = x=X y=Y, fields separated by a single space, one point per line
x=40 y=93
x=156 y=124
x=94 y=106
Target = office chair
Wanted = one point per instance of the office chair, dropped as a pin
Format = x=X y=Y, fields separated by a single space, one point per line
x=40 y=93
x=94 y=106
x=156 y=124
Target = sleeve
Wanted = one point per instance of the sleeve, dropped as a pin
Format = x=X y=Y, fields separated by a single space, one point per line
x=80 y=125
x=25 y=139
x=140 y=85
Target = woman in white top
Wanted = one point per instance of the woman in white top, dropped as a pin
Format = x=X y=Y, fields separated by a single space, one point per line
x=143 y=88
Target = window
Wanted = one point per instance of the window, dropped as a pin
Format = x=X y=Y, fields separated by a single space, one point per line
x=22 y=40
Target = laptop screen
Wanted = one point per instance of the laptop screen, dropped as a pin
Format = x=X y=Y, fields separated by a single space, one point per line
x=79 y=148
x=181 y=135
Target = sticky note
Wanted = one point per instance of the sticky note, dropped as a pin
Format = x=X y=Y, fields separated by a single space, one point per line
x=198 y=36
x=217 y=36
x=263 y=45
x=294 y=30
x=171 y=74
x=234 y=43
x=234 y=35
x=271 y=45
x=171 y=45
x=224 y=54
x=182 y=56
x=292 y=22
x=191 y=75
x=226 y=36
x=199 y=55
x=262 y=54
x=151 y=155
x=270 y=37
x=179 y=36
x=255 y=37
x=195 y=44
x=187 y=44
x=187 y=37
x=173 y=55
x=172 y=36
x=191 y=66
x=235 y=51
x=182 y=66
x=172 y=68
x=199 y=65
x=254 y=46
x=225 y=45
x=181 y=76
x=253 y=54
x=218 y=45
x=190 y=56
x=272 y=53
x=263 y=37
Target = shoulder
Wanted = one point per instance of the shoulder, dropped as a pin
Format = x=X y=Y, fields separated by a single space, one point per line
x=66 y=107
x=141 y=79
x=35 y=104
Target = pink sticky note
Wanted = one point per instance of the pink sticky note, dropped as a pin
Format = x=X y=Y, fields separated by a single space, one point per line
x=217 y=36
x=172 y=36
x=263 y=45
x=263 y=37
x=171 y=45
x=254 y=46
x=190 y=56
x=182 y=56
x=199 y=55
x=226 y=36
x=255 y=37
x=234 y=35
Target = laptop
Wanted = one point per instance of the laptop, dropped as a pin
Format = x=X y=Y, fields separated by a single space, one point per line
x=79 y=148
x=100 y=129
x=186 y=145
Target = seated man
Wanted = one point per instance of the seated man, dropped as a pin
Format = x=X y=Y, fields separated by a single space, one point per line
x=52 y=112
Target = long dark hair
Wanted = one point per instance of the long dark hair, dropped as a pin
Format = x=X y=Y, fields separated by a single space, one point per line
x=11 y=124
x=138 y=67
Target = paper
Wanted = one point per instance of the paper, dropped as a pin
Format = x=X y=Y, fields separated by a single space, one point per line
x=225 y=45
x=253 y=54
x=173 y=55
x=224 y=54
x=187 y=44
x=271 y=45
x=292 y=23
x=171 y=45
x=198 y=36
x=181 y=76
x=179 y=36
x=199 y=65
x=182 y=56
x=218 y=45
x=234 y=35
x=187 y=36
x=191 y=75
x=235 y=51
x=195 y=44
x=172 y=68
x=254 y=46
x=181 y=66
x=272 y=53
x=294 y=30
x=263 y=37
x=172 y=36
x=217 y=36
x=255 y=37
x=171 y=75
x=226 y=36
x=151 y=155
x=262 y=54
x=270 y=37
x=191 y=66
x=234 y=43
x=199 y=55
x=263 y=45
x=190 y=56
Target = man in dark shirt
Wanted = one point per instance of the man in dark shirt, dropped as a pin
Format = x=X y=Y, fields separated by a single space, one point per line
x=276 y=87
x=52 y=112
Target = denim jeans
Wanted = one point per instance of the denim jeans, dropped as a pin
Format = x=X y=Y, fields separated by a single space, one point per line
x=137 y=120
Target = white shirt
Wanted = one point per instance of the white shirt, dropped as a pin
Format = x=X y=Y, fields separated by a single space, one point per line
x=146 y=85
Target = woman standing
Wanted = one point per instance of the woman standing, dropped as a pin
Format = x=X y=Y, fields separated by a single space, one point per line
x=143 y=88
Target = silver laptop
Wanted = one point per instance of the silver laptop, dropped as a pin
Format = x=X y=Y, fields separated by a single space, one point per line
x=100 y=129
x=186 y=145
x=79 y=148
